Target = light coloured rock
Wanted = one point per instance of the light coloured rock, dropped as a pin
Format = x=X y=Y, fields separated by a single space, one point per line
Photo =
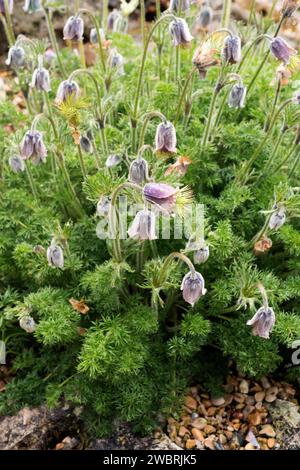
x=259 y=396
x=210 y=442
x=267 y=430
x=218 y=401
x=244 y=386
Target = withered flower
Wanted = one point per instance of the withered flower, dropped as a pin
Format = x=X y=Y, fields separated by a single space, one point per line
x=263 y=245
x=180 y=166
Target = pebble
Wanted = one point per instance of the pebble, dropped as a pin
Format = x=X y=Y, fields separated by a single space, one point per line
x=198 y=435
x=190 y=444
x=191 y=403
x=183 y=431
x=271 y=443
x=210 y=442
x=218 y=401
x=211 y=411
x=228 y=434
x=250 y=437
x=222 y=439
x=244 y=386
x=254 y=418
x=270 y=397
x=200 y=423
x=268 y=431
x=239 y=397
x=194 y=415
x=265 y=383
x=250 y=446
x=259 y=396
x=209 y=429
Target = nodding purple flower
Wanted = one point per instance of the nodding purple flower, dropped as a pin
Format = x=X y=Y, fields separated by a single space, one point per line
x=143 y=226
x=205 y=16
x=113 y=160
x=85 y=144
x=10 y=6
x=16 y=164
x=74 y=28
x=192 y=287
x=138 y=171
x=165 y=138
x=201 y=255
x=55 y=255
x=174 y=5
x=103 y=206
x=94 y=35
x=116 y=61
x=262 y=322
x=33 y=147
x=162 y=195
x=113 y=18
x=237 y=96
x=41 y=78
x=27 y=324
x=31 y=6
x=16 y=57
x=281 y=50
x=179 y=32
x=67 y=88
x=277 y=219
x=232 y=52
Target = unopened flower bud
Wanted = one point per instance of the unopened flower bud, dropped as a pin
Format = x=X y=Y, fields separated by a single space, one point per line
x=55 y=255
x=10 y=4
x=179 y=32
x=116 y=61
x=103 y=206
x=205 y=16
x=16 y=163
x=262 y=322
x=28 y=324
x=67 y=88
x=143 y=226
x=192 y=287
x=16 y=57
x=74 y=28
x=94 y=36
x=33 y=147
x=114 y=18
x=31 y=6
x=201 y=255
x=232 y=50
x=85 y=144
x=174 y=5
x=49 y=56
x=41 y=78
x=277 y=219
x=165 y=138
x=281 y=50
x=237 y=96
x=113 y=160
x=138 y=171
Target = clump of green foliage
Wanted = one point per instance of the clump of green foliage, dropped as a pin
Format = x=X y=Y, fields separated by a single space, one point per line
x=112 y=332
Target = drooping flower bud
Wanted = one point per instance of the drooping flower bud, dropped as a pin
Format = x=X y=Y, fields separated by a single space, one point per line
x=201 y=255
x=281 y=50
x=31 y=6
x=41 y=78
x=138 y=171
x=16 y=163
x=113 y=160
x=205 y=16
x=232 y=52
x=262 y=322
x=49 y=56
x=94 y=35
x=143 y=226
x=174 y=5
x=28 y=324
x=116 y=61
x=66 y=88
x=85 y=144
x=113 y=19
x=55 y=255
x=289 y=7
x=16 y=57
x=237 y=96
x=162 y=195
x=103 y=206
x=10 y=7
x=179 y=32
x=74 y=28
x=33 y=147
x=192 y=287
x=165 y=138
x=277 y=219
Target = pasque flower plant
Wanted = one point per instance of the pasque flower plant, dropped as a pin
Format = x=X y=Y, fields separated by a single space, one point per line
x=165 y=197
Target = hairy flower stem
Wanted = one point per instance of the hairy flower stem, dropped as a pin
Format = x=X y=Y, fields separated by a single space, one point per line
x=183 y=93
x=114 y=220
x=169 y=259
x=263 y=142
x=159 y=40
x=226 y=13
x=147 y=119
x=31 y=181
x=276 y=97
x=54 y=41
x=104 y=14
x=97 y=27
x=81 y=161
x=143 y=27
x=261 y=232
x=287 y=157
x=9 y=23
x=206 y=133
x=273 y=154
x=296 y=162
x=140 y=78
x=81 y=54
